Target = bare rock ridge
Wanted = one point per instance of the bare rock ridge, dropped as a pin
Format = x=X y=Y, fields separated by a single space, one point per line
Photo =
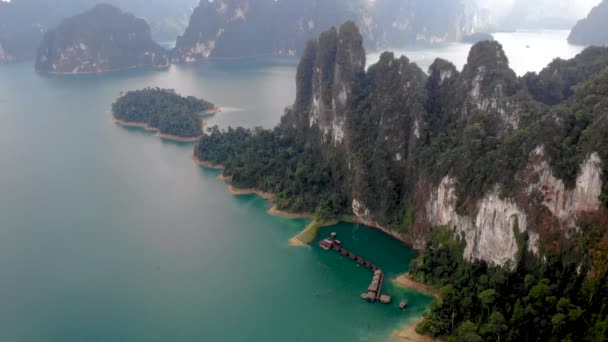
x=100 y=40
x=246 y=28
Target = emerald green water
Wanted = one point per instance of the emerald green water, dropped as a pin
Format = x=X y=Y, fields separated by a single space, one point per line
x=110 y=234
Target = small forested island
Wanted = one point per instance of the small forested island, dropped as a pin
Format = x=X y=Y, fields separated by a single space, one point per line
x=500 y=181
x=592 y=30
x=102 y=39
x=163 y=110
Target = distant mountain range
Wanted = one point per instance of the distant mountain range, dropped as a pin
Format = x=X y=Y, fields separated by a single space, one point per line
x=244 y=28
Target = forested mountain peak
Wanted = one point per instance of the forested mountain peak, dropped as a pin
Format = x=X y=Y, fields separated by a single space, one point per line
x=23 y=23
x=99 y=40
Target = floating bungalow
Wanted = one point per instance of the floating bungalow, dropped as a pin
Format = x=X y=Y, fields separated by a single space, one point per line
x=374 y=290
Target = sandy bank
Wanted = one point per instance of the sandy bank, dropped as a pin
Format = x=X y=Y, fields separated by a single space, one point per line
x=206 y=163
x=310 y=233
x=242 y=192
x=409 y=333
x=177 y=138
x=164 y=136
x=404 y=280
x=285 y=214
x=224 y=178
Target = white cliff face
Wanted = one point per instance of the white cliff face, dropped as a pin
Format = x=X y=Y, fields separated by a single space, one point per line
x=489 y=235
x=564 y=203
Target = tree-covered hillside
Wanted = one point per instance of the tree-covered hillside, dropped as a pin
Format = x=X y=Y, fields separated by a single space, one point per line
x=23 y=23
x=162 y=109
x=497 y=159
x=592 y=30
x=239 y=28
x=99 y=40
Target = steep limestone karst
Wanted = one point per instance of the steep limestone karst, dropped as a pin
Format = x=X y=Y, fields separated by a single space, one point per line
x=501 y=181
x=100 y=40
x=406 y=152
x=246 y=28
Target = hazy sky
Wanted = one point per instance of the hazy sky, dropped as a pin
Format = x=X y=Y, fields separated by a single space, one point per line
x=556 y=8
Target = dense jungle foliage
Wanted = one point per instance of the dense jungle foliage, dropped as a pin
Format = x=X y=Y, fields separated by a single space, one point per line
x=478 y=126
x=562 y=298
x=163 y=109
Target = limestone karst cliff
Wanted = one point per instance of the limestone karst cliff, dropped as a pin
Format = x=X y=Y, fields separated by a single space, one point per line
x=245 y=28
x=100 y=40
x=483 y=152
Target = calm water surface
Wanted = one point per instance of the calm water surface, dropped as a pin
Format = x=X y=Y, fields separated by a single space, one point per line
x=526 y=50
x=110 y=234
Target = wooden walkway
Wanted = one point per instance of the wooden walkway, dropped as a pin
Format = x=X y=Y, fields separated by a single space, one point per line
x=374 y=291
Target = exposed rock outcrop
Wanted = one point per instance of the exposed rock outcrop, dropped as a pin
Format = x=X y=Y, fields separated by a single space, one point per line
x=100 y=40
x=400 y=107
x=406 y=152
x=246 y=28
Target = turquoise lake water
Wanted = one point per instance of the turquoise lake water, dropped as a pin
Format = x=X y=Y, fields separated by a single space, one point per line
x=111 y=234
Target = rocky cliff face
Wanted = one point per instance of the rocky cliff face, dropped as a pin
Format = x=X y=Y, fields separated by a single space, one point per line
x=245 y=28
x=100 y=40
x=592 y=30
x=392 y=121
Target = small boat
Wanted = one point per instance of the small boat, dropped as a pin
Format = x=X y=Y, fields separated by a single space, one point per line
x=402 y=305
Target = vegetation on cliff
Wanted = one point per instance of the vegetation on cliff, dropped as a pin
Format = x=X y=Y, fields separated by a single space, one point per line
x=561 y=298
x=237 y=28
x=23 y=23
x=592 y=30
x=99 y=40
x=371 y=143
x=162 y=109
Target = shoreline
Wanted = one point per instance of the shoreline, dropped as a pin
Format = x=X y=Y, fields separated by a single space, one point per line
x=310 y=232
x=275 y=212
x=243 y=192
x=408 y=333
x=404 y=280
x=305 y=237
x=109 y=71
x=206 y=164
x=160 y=135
